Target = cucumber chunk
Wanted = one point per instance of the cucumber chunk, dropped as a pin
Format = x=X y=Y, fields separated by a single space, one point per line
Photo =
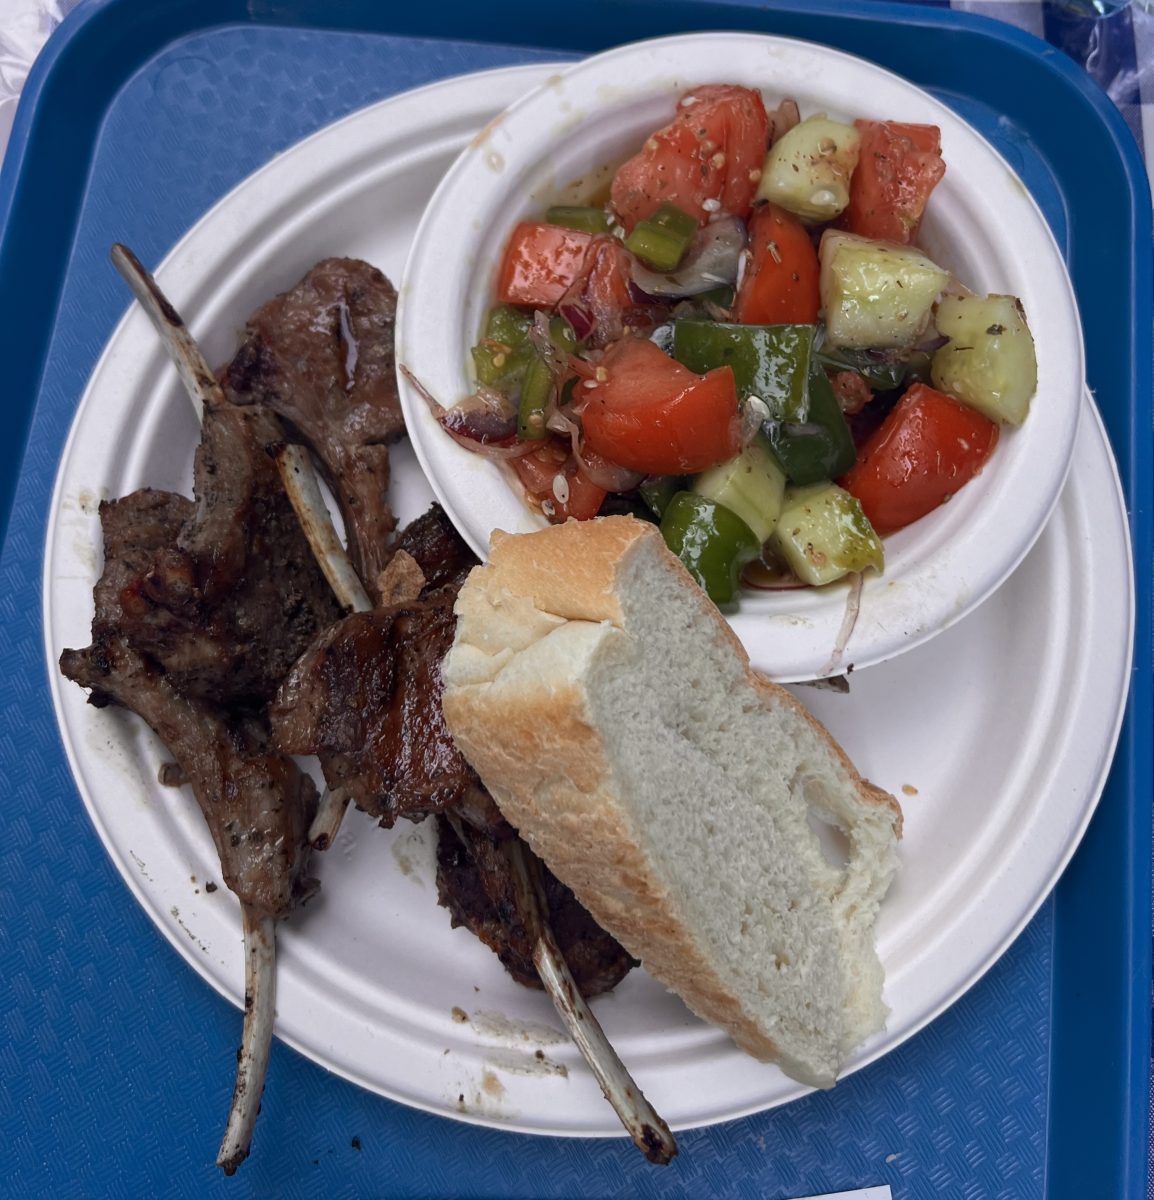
x=876 y=295
x=752 y=485
x=822 y=534
x=807 y=171
x=989 y=363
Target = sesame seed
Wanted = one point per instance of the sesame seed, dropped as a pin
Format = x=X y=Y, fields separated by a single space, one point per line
x=709 y=145
x=548 y=509
x=686 y=102
x=561 y=489
x=755 y=175
x=711 y=205
x=651 y=145
x=590 y=383
x=602 y=375
x=718 y=160
x=499 y=360
x=774 y=252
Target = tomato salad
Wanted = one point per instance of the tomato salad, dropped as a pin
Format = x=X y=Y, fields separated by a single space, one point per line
x=744 y=345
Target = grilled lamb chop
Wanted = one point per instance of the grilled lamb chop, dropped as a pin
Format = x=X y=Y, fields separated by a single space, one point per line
x=321 y=356
x=256 y=802
x=199 y=611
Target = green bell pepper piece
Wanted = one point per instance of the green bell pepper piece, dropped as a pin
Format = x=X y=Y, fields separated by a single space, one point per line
x=536 y=388
x=575 y=216
x=712 y=542
x=502 y=354
x=822 y=446
x=769 y=361
x=537 y=383
x=777 y=363
x=661 y=240
x=658 y=490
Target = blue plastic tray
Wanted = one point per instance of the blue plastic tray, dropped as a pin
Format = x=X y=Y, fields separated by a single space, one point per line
x=115 y=1058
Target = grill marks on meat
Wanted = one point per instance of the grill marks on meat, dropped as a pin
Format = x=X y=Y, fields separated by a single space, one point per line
x=321 y=356
x=257 y=804
x=366 y=698
x=475 y=884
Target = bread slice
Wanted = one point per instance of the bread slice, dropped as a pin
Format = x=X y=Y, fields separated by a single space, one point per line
x=613 y=715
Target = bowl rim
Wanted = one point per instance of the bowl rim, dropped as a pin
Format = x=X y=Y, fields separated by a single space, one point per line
x=489 y=178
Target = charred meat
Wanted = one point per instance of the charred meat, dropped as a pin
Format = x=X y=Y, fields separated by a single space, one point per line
x=255 y=801
x=475 y=885
x=321 y=356
x=224 y=594
x=366 y=696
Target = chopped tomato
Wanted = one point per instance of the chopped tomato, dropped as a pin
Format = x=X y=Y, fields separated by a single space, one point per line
x=851 y=390
x=898 y=167
x=607 y=273
x=928 y=448
x=648 y=413
x=600 y=301
x=780 y=286
x=712 y=150
x=540 y=264
x=541 y=473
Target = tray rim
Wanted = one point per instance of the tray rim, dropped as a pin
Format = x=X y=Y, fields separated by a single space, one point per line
x=1132 y=769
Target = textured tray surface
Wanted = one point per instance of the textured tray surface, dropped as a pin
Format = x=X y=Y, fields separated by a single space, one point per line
x=120 y=1090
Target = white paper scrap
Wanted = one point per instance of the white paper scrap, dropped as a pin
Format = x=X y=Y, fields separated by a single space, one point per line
x=874 y=1193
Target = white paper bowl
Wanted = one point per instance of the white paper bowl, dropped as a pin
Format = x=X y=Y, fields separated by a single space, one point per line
x=981 y=222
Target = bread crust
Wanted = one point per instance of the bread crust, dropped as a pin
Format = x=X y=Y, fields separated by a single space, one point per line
x=541 y=756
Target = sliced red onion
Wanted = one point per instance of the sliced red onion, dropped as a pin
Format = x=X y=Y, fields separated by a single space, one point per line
x=479 y=425
x=765 y=578
x=713 y=261
x=604 y=474
x=849 y=621
x=929 y=344
x=607 y=475
x=471 y=427
x=540 y=340
x=578 y=316
x=782 y=119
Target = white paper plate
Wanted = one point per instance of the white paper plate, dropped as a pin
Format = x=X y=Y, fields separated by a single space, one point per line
x=981 y=223
x=1005 y=725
